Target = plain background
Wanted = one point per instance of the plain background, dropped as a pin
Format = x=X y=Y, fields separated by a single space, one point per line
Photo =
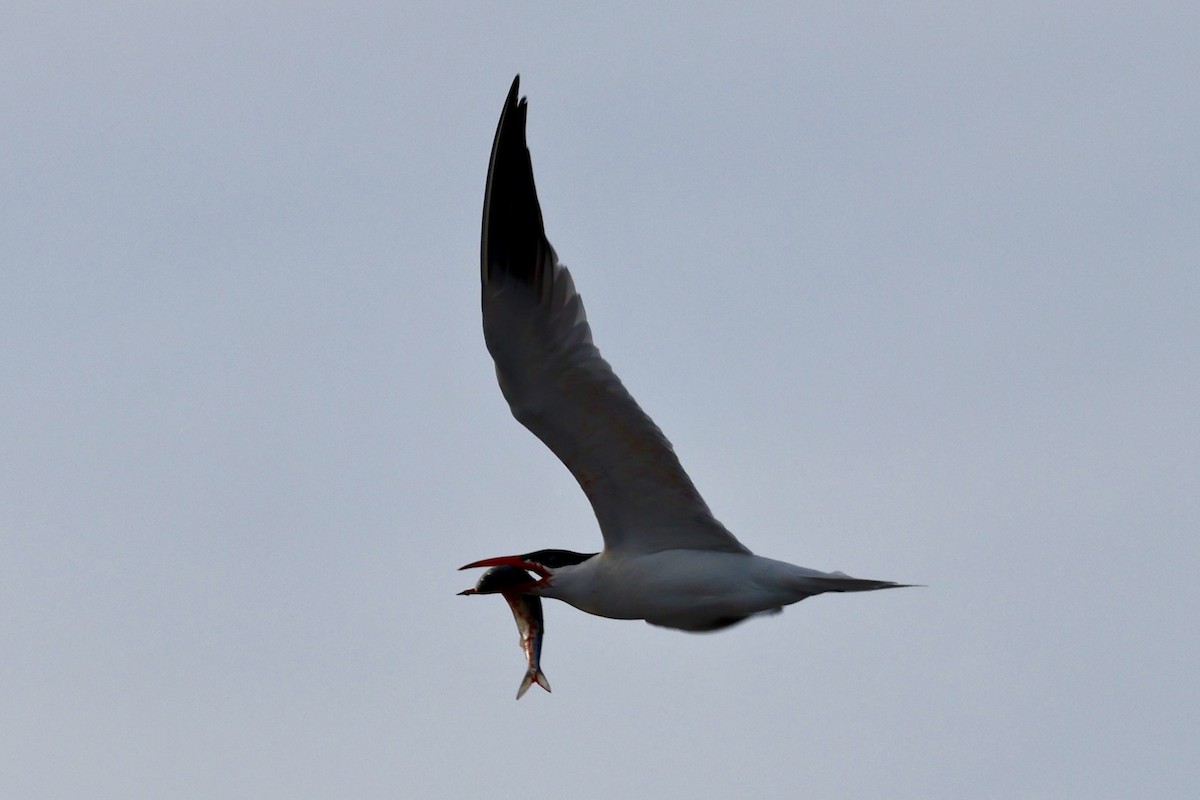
x=913 y=288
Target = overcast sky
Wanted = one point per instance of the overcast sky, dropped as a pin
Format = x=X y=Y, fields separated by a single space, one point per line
x=914 y=289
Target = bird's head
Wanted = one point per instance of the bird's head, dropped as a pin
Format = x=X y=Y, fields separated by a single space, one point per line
x=514 y=579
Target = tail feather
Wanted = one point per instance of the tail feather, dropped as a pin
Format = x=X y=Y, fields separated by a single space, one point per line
x=531 y=677
x=841 y=582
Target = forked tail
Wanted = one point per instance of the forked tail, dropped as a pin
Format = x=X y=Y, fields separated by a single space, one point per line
x=841 y=582
x=533 y=676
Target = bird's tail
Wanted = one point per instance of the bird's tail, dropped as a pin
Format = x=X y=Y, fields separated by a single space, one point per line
x=534 y=675
x=841 y=582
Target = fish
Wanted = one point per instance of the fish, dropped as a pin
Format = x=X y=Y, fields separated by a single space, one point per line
x=527 y=612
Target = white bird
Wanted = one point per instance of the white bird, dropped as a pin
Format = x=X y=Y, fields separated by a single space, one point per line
x=666 y=559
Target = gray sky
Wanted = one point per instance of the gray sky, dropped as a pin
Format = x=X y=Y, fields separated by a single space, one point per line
x=914 y=291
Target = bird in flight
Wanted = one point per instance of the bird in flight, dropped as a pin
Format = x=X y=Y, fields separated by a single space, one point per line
x=666 y=559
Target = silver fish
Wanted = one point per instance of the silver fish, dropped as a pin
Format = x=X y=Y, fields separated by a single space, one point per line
x=526 y=610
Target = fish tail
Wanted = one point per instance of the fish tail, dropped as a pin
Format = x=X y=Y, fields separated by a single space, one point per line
x=533 y=676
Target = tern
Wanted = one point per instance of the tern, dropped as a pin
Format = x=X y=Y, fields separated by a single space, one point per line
x=666 y=559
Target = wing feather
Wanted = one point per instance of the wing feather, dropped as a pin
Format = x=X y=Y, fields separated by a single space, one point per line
x=557 y=384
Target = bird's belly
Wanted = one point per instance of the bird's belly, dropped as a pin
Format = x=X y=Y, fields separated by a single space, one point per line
x=685 y=589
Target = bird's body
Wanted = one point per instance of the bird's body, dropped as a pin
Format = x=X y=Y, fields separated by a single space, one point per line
x=666 y=559
x=691 y=590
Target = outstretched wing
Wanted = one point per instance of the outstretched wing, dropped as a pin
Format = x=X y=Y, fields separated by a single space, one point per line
x=555 y=381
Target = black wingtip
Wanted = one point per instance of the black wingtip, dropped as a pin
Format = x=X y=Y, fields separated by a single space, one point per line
x=514 y=241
